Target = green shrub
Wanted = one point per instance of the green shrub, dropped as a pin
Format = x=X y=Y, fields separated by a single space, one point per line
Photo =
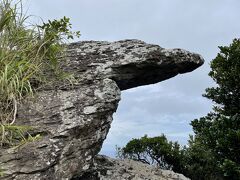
x=154 y=150
x=27 y=52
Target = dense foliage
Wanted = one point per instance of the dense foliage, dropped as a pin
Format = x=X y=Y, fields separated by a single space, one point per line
x=225 y=69
x=27 y=52
x=219 y=132
x=214 y=151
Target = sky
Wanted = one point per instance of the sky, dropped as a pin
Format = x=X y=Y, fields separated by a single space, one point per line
x=169 y=106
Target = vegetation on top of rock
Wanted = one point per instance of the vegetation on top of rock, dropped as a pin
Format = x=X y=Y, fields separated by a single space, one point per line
x=27 y=52
x=214 y=151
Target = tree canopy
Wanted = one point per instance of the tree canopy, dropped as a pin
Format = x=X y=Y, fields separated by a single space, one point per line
x=219 y=131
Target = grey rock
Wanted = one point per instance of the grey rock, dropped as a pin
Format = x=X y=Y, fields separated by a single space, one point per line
x=74 y=118
x=106 y=168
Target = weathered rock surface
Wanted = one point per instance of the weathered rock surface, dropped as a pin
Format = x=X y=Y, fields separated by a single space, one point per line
x=75 y=119
x=106 y=168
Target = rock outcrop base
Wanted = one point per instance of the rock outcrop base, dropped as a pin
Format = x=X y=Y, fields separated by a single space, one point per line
x=106 y=168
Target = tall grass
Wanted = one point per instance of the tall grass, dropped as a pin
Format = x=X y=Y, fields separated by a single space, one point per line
x=26 y=52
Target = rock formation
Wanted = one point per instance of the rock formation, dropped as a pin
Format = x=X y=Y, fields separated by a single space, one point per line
x=106 y=168
x=75 y=119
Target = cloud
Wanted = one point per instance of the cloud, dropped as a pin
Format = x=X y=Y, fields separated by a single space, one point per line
x=124 y=129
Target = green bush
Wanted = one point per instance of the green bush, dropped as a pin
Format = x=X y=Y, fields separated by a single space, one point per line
x=156 y=151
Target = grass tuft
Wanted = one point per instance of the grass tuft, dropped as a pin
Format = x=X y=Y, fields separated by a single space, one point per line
x=26 y=52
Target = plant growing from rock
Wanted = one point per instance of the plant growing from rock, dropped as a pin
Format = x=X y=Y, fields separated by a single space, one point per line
x=28 y=60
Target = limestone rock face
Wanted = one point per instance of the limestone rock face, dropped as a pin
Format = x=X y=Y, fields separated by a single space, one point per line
x=74 y=119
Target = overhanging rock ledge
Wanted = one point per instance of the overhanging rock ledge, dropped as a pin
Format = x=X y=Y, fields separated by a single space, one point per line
x=74 y=120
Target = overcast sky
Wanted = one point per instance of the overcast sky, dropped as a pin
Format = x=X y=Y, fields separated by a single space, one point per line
x=167 y=107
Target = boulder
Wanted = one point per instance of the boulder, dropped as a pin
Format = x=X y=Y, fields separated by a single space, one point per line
x=106 y=168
